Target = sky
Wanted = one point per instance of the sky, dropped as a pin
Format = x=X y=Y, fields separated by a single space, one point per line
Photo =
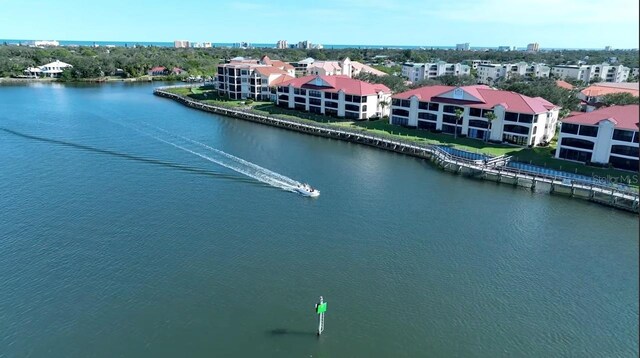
x=490 y=23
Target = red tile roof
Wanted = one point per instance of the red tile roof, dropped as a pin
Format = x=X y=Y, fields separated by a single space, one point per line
x=564 y=84
x=345 y=83
x=280 y=79
x=158 y=69
x=600 y=90
x=269 y=70
x=624 y=117
x=488 y=97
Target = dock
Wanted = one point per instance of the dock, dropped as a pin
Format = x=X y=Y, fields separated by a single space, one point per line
x=493 y=169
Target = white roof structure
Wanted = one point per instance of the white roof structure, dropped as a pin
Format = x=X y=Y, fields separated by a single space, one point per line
x=54 y=67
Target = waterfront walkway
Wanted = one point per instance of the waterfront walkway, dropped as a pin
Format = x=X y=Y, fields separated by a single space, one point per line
x=499 y=169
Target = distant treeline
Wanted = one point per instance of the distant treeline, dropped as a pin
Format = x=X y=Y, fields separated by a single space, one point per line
x=90 y=62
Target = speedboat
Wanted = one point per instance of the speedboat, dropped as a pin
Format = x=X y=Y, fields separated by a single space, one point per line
x=307 y=190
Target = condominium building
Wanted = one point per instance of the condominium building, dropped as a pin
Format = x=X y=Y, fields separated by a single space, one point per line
x=462 y=47
x=53 y=69
x=489 y=73
x=505 y=48
x=345 y=67
x=338 y=96
x=181 y=44
x=251 y=79
x=302 y=66
x=519 y=119
x=282 y=44
x=605 y=136
x=420 y=71
x=476 y=63
x=634 y=72
x=533 y=47
x=587 y=73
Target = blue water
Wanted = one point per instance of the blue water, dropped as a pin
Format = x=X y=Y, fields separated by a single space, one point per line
x=114 y=243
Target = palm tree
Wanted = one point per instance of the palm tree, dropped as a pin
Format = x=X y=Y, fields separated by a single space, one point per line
x=490 y=116
x=383 y=104
x=458 y=113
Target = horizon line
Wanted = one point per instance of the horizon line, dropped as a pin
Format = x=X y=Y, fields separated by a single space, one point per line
x=325 y=45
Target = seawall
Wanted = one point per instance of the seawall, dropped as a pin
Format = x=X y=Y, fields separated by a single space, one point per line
x=494 y=170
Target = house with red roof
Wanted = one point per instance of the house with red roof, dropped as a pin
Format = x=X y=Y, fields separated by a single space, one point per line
x=606 y=136
x=519 y=119
x=339 y=96
x=158 y=71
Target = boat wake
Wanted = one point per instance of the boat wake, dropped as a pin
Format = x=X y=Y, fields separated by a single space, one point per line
x=220 y=157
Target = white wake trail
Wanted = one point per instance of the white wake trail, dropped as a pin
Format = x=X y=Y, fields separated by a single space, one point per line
x=264 y=171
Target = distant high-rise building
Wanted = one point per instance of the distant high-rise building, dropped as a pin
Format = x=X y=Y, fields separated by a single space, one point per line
x=180 y=43
x=304 y=45
x=282 y=44
x=462 y=47
x=505 y=48
x=533 y=47
x=607 y=48
x=206 y=44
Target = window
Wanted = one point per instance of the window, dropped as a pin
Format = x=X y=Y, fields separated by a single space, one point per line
x=428 y=116
x=348 y=98
x=511 y=117
x=283 y=97
x=399 y=112
x=399 y=121
x=244 y=72
x=330 y=112
x=282 y=89
x=426 y=125
x=434 y=106
x=577 y=143
x=624 y=163
x=535 y=129
x=624 y=150
x=569 y=128
x=622 y=135
x=447 y=118
x=423 y=105
x=300 y=100
x=315 y=101
x=513 y=128
x=352 y=107
x=515 y=139
x=485 y=111
x=314 y=109
x=451 y=109
x=476 y=112
x=313 y=93
x=525 y=118
x=572 y=154
x=478 y=123
x=589 y=131
x=331 y=104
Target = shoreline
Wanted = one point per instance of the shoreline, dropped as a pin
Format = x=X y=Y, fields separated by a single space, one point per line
x=13 y=80
x=494 y=170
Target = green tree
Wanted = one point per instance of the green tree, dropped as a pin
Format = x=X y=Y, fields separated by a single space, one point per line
x=458 y=113
x=490 y=116
x=619 y=99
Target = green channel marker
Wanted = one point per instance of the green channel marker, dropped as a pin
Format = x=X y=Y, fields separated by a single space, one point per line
x=322 y=308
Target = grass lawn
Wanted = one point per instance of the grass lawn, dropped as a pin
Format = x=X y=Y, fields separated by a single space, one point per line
x=541 y=156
